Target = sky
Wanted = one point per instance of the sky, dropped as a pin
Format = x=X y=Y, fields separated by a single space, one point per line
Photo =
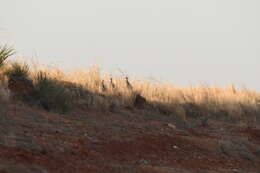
x=184 y=42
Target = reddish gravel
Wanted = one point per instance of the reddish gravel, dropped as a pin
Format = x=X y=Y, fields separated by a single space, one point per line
x=32 y=140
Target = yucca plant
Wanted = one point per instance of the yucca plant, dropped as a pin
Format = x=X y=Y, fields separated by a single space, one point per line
x=18 y=70
x=5 y=52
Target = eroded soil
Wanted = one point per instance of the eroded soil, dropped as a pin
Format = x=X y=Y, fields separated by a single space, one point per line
x=131 y=141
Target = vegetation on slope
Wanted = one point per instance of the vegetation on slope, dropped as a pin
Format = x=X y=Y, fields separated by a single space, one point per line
x=55 y=90
x=5 y=52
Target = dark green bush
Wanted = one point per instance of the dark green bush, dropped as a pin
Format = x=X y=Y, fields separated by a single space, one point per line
x=52 y=93
x=18 y=70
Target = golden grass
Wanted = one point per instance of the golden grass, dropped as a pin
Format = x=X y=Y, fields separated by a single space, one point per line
x=211 y=99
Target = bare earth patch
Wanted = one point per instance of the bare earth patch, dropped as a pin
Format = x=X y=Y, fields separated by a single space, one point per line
x=34 y=141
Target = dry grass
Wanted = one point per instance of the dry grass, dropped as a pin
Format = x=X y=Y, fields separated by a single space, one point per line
x=84 y=89
x=213 y=98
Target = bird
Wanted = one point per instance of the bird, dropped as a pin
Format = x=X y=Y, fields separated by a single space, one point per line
x=103 y=87
x=128 y=85
x=112 y=83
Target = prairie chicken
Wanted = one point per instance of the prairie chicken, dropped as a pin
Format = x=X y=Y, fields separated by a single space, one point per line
x=103 y=87
x=128 y=85
x=112 y=85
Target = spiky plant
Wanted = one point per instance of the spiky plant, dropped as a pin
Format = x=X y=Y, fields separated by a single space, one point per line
x=5 y=52
x=18 y=70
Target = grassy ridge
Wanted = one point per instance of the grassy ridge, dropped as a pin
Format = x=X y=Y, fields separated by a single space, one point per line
x=59 y=91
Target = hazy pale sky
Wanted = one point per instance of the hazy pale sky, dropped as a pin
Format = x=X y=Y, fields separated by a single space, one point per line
x=180 y=41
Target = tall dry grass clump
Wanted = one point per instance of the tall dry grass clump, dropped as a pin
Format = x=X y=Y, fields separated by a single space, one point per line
x=87 y=86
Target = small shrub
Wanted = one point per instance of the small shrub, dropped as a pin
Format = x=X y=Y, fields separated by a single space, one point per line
x=52 y=93
x=19 y=84
x=18 y=70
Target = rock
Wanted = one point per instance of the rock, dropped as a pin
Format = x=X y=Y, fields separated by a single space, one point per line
x=247 y=155
x=257 y=153
x=14 y=168
x=175 y=147
x=235 y=148
x=157 y=169
x=183 y=132
x=25 y=142
x=139 y=101
x=235 y=170
x=37 y=170
x=171 y=126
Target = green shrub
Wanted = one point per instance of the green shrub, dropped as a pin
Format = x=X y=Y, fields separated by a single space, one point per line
x=18 y=70
x=5 y=52
x=52 y=93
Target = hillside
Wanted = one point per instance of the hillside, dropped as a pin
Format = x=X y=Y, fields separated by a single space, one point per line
x=33 y=141
x=87 y=121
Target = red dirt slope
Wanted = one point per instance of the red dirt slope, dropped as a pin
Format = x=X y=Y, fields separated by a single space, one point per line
x=34 y=141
